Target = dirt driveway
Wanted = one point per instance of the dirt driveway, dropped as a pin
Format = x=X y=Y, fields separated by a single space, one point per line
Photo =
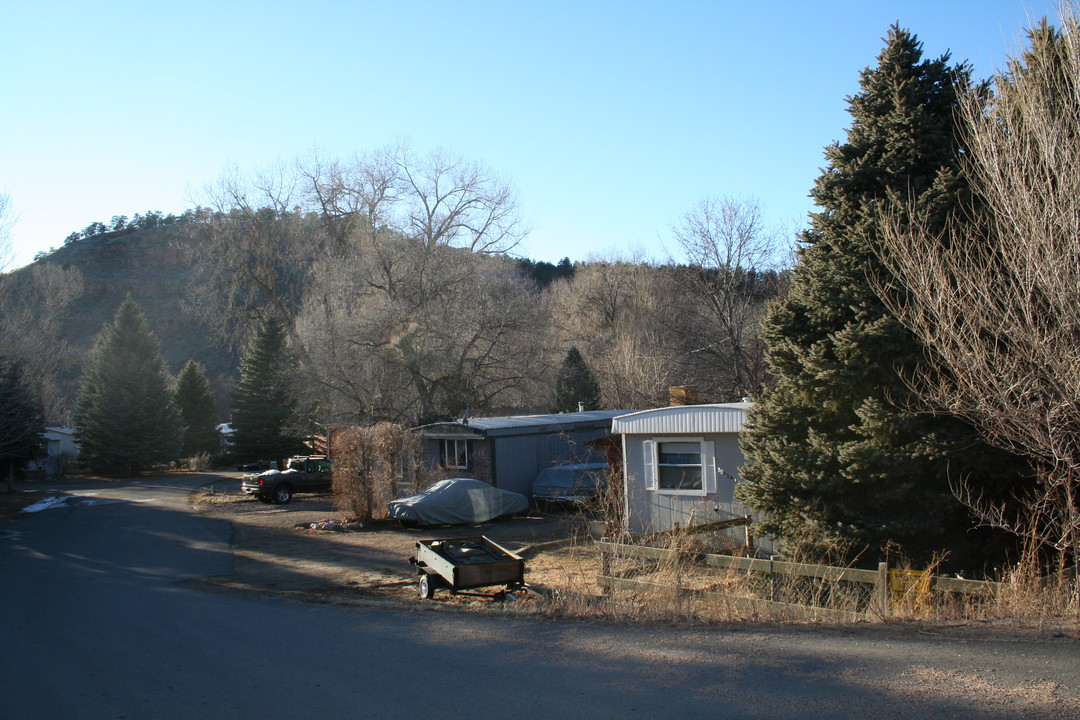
x=277 y=550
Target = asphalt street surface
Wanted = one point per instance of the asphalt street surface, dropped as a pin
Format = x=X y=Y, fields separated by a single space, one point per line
x=100 y=618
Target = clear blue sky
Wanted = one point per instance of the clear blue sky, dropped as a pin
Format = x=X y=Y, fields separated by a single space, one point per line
x=610 y=118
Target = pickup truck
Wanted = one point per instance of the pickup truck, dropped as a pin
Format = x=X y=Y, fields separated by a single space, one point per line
x=310 y=473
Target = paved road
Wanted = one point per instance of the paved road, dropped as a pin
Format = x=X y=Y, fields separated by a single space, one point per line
x=97 y=621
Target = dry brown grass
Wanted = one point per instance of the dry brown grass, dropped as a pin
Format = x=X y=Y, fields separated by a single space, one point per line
x=563 y=578
x=678 y=586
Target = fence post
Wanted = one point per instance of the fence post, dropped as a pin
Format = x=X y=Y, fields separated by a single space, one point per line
x=881 y=590
x=774 y=593
x=605 y=568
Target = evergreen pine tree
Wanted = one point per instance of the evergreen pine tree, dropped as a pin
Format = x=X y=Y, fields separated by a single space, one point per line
x=576 y=383
x=124 y=415
x=21 y=421
x=198 y=412
x=834 y=459
x=264 y=404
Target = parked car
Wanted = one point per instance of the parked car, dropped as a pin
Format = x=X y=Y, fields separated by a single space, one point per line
x=256 y=465
x=570 y=484
x=457 y=501
x=310 y=473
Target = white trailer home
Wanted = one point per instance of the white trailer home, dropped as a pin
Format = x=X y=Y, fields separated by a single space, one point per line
x=681 y=464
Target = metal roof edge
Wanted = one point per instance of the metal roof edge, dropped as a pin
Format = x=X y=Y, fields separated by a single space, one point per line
x=620 y=425
x=520 y=424
x=674 y=409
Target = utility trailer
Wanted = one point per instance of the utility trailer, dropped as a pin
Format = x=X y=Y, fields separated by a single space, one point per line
x=466 y=563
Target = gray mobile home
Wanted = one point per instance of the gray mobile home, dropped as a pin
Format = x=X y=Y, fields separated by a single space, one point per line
x=509 y=452
x=680 y=465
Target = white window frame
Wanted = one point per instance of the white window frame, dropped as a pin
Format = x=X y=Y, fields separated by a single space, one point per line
x=707 y=453
x=450 y=459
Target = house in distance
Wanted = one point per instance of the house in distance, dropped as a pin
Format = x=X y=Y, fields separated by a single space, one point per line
x=509 y=452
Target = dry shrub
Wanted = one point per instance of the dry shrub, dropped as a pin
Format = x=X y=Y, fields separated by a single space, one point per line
x=197 y=463
x=1030 y=595
x=371 y=465
x=610 y=502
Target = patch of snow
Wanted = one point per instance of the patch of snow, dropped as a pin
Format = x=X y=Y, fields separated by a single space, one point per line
x=46 y=504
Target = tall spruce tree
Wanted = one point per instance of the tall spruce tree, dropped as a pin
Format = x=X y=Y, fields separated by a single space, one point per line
x=198 y=412
x=21 y=420
x=835 y=461
x=264 y=403
x=576 y=383
x=124 y=415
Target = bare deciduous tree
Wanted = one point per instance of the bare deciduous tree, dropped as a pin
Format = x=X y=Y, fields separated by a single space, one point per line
x=411 y=333
x=996 y=296
x=436 y=199
x=617 y=312
x=732 y=258
x=35 y=301
x=264 y=233
x=257 y=248
x=454 y=202
x=355 y=198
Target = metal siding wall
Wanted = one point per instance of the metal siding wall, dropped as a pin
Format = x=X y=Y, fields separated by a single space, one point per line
x=637 y=500
x=521 y=458
x=729 y=458
x=432 y=454
x=653 y=511
x=516 y=458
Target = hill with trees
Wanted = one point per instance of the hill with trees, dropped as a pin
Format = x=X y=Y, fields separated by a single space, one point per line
x=386 y=325
x=57 y=305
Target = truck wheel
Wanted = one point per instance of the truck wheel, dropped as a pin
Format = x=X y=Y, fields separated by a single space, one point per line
x=282 y=494
x=427 y=586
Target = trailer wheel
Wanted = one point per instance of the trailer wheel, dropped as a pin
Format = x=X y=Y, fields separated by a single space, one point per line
x=427 y=586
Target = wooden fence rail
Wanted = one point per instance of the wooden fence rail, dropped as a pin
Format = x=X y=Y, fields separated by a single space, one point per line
x=742 y=604
x=886 y=588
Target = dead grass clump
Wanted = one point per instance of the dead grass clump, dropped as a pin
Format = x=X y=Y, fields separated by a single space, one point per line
x=1027 y=594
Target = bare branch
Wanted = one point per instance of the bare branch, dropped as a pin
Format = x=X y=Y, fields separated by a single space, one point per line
x=995 y=295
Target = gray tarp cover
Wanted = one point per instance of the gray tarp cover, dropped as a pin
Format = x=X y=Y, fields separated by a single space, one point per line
x=458 y=501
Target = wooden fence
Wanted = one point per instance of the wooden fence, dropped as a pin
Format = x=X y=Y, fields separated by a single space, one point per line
x=887 y=590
